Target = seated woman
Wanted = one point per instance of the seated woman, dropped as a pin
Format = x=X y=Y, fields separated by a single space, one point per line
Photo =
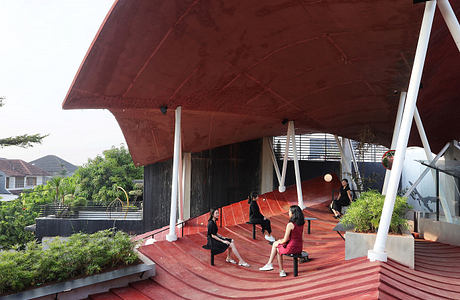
x=218 y=244
x=292 y=241
x=256 y=217
x=344 y=198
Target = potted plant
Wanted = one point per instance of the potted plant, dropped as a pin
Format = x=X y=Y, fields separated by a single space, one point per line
x=364 y=216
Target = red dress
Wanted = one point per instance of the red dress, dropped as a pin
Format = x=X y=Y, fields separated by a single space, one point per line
x=295 y=243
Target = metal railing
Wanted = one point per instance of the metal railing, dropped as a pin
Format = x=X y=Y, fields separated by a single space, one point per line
x=183 y=223
x=323 y=147
x=92 y=211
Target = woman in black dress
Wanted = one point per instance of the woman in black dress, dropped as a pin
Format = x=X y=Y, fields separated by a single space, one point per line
x=218 y=244
x=256 y=217
x=344 y=198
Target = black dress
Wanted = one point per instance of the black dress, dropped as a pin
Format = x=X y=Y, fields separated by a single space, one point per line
x=256 y=217
x=213 y=244
x=344 y=200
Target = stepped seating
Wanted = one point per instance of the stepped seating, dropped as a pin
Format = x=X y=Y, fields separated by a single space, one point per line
x=184 y=272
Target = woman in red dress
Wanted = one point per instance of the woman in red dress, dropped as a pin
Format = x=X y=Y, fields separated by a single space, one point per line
x=292 y=241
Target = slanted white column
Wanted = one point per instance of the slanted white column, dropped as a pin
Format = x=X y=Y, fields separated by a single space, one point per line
x=451 y=20
x=429 y=157
x=171 y=236
x=355 y=164
x=378 y=253
x=282 y=187
x=275 y=163
x=296 y=167
x=432 y=163
x=402 y=99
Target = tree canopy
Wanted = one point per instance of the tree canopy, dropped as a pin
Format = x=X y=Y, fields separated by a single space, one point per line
x=100 y=178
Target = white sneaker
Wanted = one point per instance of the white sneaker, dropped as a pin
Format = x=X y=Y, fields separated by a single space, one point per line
x=270 y=238
x=282 y=273
x=267 y=267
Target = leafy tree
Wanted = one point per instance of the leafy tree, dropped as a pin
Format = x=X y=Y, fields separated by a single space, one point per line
x=24 y=141
x=101 y=176
x=15 y=215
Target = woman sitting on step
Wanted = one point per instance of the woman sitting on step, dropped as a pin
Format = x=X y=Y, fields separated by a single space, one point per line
x=218 y=244
x=255 y=217
x=292 y=241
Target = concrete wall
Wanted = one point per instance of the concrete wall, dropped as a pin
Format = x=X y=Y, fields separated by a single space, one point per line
x=398 y=247
x=438 y=231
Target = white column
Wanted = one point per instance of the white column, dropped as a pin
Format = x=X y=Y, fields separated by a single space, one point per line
x=275 y=163
x=378 y=253
x=402 y=99
x=355 y=164
x=451 y=20
x=171 y=236
x=282 y=187
x=429 y=157
x=296 y=167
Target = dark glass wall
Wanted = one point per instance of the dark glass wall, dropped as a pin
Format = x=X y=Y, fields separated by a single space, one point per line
x=219 y=176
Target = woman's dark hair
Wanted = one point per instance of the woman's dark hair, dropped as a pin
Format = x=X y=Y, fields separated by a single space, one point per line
x=211 y=212
x=297 y=215
x=252 y=196
x=346 y=180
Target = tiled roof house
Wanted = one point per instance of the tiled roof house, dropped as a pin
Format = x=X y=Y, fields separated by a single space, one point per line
x=17 y=175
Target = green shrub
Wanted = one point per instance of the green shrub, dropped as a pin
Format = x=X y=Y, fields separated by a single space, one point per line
x=364 y=213
x=79 y=255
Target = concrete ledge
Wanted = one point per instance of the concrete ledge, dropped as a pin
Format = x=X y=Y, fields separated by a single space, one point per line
x=398 y=247
x=83 y=287
x=438 y=231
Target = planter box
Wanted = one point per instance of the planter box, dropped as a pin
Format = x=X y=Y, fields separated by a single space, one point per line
x=438 y=231
x=398 y=247
x=83 y=287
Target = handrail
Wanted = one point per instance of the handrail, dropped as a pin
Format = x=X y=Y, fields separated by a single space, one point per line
x=183 y=222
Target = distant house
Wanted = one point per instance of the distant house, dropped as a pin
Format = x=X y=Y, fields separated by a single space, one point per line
x=17 y=175
x=55 y=166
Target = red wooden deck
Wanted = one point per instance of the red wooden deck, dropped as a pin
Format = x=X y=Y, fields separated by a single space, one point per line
x=184 y=270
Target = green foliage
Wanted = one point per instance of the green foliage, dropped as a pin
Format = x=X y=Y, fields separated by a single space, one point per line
x=364 y=213
x=19 y=213
x=24 y=141
x=101 y=176
x=81 y=254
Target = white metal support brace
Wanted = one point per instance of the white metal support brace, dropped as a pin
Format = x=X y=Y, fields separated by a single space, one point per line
x=429 y=157
x=402 y=99
x=432 y=163
x=451 y=20
x=296 y=167
x=378 y=252
x=282 y=187
x=275 y=163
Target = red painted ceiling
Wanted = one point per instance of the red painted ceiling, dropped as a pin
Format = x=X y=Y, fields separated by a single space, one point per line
x=238 y=68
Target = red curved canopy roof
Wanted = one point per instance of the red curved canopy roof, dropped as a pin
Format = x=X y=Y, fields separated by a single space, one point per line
x=238 y=68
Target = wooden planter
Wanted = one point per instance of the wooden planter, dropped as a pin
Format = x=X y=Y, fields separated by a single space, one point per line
x=398 y=247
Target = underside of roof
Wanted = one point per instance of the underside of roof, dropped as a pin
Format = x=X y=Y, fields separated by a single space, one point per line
x=239 y=68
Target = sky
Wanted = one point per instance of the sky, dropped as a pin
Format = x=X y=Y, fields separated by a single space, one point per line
x=42 y=44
